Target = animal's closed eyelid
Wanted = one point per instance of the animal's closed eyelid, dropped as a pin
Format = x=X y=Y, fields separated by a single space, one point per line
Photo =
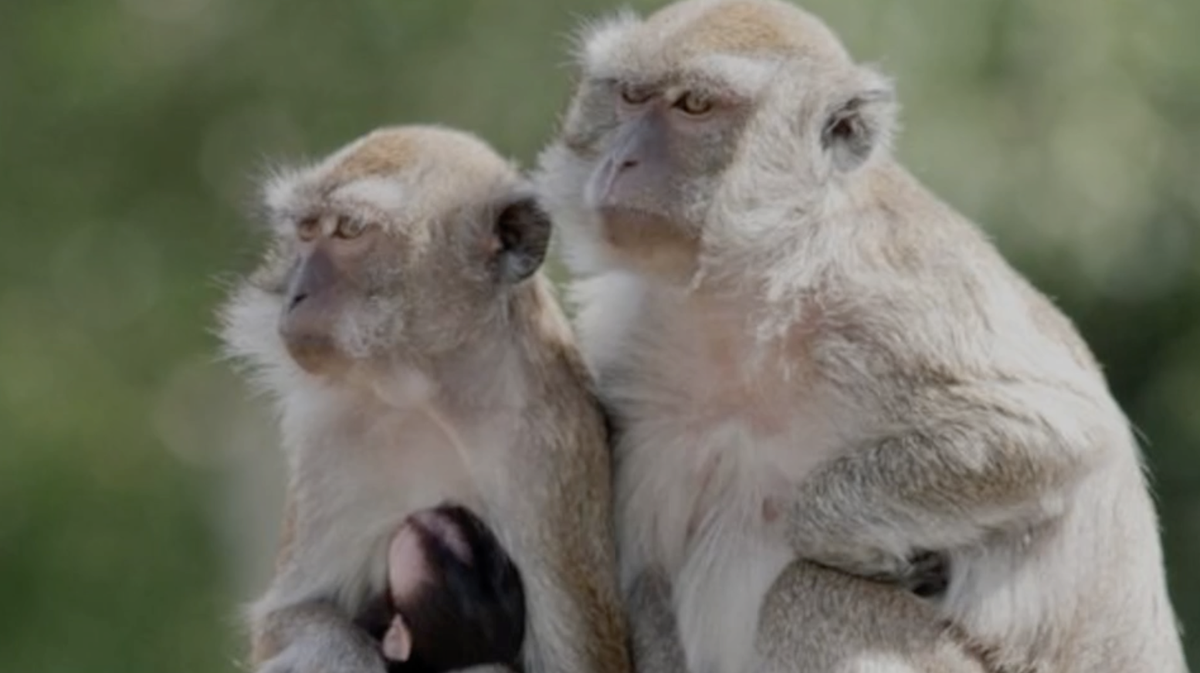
x=308 y=228
x=636 y=94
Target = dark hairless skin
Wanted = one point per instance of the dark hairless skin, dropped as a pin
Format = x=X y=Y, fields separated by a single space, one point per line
x=455 y=599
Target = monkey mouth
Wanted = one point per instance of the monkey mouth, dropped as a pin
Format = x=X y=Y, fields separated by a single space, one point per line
x=630 y=227
x=630 y=216
x=315 y=353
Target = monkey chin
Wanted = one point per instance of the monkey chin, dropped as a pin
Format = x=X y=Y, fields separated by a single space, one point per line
x=650 y=241
x=317 y=354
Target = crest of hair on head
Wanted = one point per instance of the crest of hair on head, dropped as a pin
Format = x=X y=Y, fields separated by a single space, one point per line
x=597 y=39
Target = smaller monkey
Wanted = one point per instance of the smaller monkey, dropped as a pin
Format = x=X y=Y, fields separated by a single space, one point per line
x=448 y=576
x=417 y=357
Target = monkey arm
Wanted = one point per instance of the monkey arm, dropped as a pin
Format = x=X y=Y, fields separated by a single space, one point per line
x=305 y=636
x=576 y=617
x=973 y=461
x=313 y=637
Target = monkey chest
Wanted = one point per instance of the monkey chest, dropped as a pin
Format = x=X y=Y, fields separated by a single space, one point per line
x=705 y=473
x=682 y=492
x=707 y=509
x=351 y=498
x=700 y=461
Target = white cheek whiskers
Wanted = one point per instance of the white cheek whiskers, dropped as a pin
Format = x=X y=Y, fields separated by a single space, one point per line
x=597 y=184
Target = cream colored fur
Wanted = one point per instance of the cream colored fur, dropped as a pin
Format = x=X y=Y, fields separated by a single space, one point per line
x=847 y=372
x=457 y=385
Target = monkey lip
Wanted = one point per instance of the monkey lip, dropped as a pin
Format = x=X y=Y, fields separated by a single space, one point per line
x=312 y=352
x=630 y=216
x=636 y=229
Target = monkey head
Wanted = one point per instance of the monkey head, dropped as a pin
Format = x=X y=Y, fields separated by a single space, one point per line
x=705 y=119
x=358 y=240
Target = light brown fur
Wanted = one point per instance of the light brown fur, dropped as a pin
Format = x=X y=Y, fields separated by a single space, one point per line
x=445 y=381
x=844 y=375
x=742 y=27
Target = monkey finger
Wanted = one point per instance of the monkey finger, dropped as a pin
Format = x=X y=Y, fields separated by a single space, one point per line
x=397 y=642
x=928 y=575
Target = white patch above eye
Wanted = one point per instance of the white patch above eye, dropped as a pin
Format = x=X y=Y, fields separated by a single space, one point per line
x=279 y=190
x=745 y=75
x=600 y=39
x=379 y=193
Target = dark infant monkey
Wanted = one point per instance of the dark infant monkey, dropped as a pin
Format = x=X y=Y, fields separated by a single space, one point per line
x=454 y=599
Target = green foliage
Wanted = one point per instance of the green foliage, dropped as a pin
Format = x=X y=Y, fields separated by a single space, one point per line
x=138 y=482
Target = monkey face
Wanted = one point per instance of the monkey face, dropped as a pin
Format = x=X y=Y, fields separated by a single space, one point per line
x=640 y=159
x=401 y=246
x=688 y=126
x=338 y=264
x=664 y=140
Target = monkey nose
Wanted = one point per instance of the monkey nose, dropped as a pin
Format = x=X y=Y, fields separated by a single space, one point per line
x=296 y=299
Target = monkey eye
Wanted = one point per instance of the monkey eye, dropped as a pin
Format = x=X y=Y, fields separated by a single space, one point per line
x=694 y=104
x=349 y=227
x=308 y=228
x=635 y=95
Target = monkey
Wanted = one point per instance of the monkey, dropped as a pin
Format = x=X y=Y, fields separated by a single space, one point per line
x=450 y=554
x=447 y=574
x=822 y=377
x=416 y=355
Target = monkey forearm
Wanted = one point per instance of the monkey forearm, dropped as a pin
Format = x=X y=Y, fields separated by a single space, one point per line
x=937 y=487
x=315 y=629
x=592 y=635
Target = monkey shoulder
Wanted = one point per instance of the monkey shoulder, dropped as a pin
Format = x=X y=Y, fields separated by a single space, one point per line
x=940 y=297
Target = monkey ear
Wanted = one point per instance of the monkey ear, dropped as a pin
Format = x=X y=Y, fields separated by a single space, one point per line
x=521 y=234
x=860 y=122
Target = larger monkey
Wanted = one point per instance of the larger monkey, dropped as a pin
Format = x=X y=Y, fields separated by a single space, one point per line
x=808 y=355
x=417 y=356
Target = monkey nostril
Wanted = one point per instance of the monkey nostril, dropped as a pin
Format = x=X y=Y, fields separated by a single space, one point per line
x=296 y=299
x=628 y=163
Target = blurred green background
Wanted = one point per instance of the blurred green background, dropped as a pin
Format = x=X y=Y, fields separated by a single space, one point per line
x=139 y=483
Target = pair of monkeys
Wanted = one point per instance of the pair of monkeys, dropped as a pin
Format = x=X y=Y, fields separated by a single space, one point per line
x=840 y=434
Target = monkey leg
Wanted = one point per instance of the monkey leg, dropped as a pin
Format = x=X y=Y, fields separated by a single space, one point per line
x=819 y=620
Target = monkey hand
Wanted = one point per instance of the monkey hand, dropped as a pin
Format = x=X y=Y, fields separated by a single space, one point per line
x=874 y=565
x=928 y=574
x=924 y=573
x=397 y=641
x=321 y=655
x=457 y=595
